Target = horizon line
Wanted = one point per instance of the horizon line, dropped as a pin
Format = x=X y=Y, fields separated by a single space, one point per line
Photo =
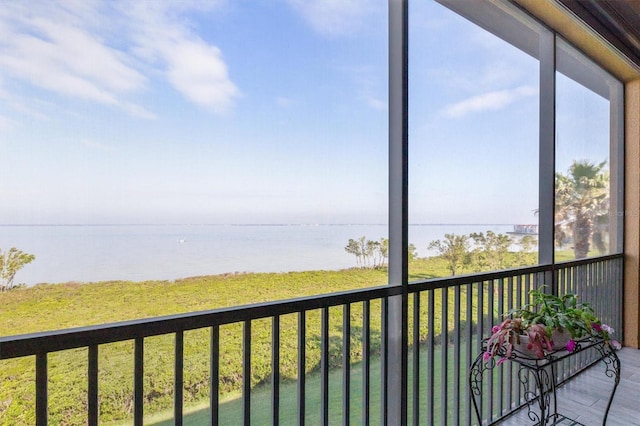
x=252 y=224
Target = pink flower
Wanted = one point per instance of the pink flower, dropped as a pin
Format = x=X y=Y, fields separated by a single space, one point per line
x=571 y=346
x=495 y=329
x=608 y=329
x=616 y=345
x=596 y=327
x=486 y=356
x=501 y=360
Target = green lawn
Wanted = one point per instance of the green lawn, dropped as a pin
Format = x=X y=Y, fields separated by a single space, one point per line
x=261 y=406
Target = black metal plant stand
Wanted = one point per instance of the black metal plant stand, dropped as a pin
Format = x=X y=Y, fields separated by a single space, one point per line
x=543 y=372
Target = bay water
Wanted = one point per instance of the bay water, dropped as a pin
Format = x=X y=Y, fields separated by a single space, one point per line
x=90 y=253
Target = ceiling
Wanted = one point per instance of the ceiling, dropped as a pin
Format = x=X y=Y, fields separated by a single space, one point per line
x=618 y=21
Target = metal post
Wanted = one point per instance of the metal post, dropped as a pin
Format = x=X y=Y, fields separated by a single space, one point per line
x=396 y=327
x=546 y=208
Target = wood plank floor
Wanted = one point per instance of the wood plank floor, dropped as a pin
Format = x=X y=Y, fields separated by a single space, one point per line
x=585 y=397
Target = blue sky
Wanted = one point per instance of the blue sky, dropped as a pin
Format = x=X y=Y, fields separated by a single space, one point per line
x=262 y=111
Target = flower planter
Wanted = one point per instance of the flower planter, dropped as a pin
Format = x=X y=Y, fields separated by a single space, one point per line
x=527 y=330
x=560 y=338
x=522 y=346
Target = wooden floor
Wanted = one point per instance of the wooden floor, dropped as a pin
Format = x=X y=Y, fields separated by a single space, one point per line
x=585 y=397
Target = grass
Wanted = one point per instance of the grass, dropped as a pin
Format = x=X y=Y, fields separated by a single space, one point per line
x=231 y=409
x=56 y=306
x=261 y=405
x=48 y=307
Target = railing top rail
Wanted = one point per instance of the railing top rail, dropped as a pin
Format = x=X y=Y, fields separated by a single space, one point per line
x=458 y=280
x=588 y=260
x=446 y=282
x=57 y=340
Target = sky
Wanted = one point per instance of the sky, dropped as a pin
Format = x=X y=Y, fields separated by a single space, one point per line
x=261 y=111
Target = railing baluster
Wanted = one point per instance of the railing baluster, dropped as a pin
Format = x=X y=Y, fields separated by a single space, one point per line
x=275 y=370
x=430 y=356
x=480 y=336
x=324 y=367
x=384 y=360
x=138 y=382
x=178 y=379
x=610 y=295
x=573 y=361
x=246 y=373
x=490 y=318
x=302 y=369
x=579 y=286
x=214 y=381
x=444 y=365
x=366 y=362
x=42 y=412
x=595 y=296
x=617 y=300
x=500 y=396
x=416 y=359
x=563 y=288
x=509 y=368
x=92 y=386
x=469 y=349
x=346 y=364
x=523 y=298
x=620 y=292
x=456 y=357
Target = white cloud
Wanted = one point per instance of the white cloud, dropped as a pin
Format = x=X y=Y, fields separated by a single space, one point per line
x=81 y=53
x=493 y=75
x=334 y=17
x=284 y=101
x=369 y=86
x=48 y=48
x=375 y=103
x=488 y=101
x=139 y=111
x=103 y=51
x=5 y=123
x=199 y=73
x=194 y=68
x=90 y=143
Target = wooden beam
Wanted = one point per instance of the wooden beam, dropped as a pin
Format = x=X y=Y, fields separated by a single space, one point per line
x=632 y=216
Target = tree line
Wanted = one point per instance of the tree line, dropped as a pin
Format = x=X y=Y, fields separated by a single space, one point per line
x=372 y=254
x=582 y=207
x=478 y=251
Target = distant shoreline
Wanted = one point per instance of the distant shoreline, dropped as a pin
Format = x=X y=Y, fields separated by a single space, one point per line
x=105 y=252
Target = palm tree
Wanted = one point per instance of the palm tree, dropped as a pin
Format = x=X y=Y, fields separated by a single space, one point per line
x=582 y=198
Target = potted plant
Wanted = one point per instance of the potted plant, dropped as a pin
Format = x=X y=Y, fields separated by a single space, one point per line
x=504 y=338
x=545 y=324
x=563 y=317
x=512 y=334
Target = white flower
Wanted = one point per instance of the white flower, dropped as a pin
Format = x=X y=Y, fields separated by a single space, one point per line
x=608 y=329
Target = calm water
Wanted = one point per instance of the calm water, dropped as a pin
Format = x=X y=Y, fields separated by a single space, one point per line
x=89 y=253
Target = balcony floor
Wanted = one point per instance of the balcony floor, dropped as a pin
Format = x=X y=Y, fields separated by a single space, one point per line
x=585 y=397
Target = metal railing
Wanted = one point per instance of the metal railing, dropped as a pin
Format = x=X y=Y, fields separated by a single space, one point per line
x=448 y=317
x=597 y=281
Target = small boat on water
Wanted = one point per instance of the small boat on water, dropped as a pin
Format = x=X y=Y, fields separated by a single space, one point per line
x=524 y=230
